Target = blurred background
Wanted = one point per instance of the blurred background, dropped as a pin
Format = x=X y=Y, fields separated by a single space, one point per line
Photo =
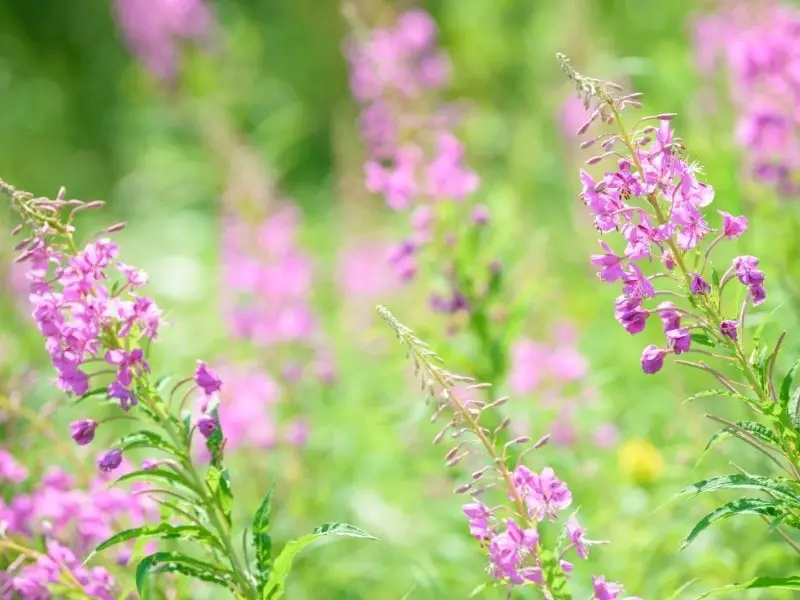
x=230 y=137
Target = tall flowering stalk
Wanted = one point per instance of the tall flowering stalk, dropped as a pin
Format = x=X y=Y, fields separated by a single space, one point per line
x=416 y=162
x=98 y=328
x=154 y=31
x=756 y=46
x=654 y=200
x=508 y=531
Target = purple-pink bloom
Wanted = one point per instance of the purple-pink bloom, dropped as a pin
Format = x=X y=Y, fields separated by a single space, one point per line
x=747 y=270
x=699 y=286
x=610 y=263
x=669 y=317
x=728 y=328
x=207 y=425
x=576 y=535
x=155 y=31
x=10 y=470
x=110 y=460
x=544 y=494
x=507 y=552
x=733 y=227
x=679 y=340
x=652 y=359
x=629 y=313
x=758 y=294
x=82 y=431
x=480 y=214
x=636 y=284
x=605 y=590
x=478 y=515
x=206 y=379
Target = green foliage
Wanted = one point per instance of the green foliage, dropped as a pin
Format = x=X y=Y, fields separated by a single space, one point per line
x=274 y=586
x=172 y=562
x=782 y=583
x=743 y=506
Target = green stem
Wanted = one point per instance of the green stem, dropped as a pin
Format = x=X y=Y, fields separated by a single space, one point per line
x=212 y=508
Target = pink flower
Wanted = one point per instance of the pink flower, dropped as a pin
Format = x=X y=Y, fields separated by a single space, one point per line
x=10 y=470
x=478 y=515
x=653 y=359
x=605 y=590
x=610 y=263
x=206 y=379
x=545 y=494
x=733 y=227
x=576 y=535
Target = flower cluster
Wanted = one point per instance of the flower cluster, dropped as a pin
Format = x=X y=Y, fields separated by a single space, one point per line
x=78 y=516
x=267 y=284
x=59 y=566
x=758 y=47
x=527 y=499
x=555 y=371
x=415 y=161
x=655 y=200
x=85 y=318
x=155 y=30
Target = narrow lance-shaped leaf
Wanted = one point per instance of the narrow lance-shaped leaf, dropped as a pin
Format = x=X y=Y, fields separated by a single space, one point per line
x=145 y=439
x=794 y=409
x=757 y=583
x=164 y=531
x=786 y=385
x=777 y=488
x=261 y=538
x=703 y=339
x=710 y=393
x=274 y=587
x=743 y=506
x=154 y=475
x=744 y=428
x=168 y=562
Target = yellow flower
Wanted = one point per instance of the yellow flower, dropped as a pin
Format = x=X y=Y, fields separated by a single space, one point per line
x=640 y=461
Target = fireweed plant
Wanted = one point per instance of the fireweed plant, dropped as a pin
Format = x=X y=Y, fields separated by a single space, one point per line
x=509 y=530
x=753 y=46
x=417 y=164
x=98 y=326
x=655 y=201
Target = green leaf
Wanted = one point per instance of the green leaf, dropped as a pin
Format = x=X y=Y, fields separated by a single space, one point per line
x=164 y=531
x=261 y=538
x=782 y=583
x=742 y=506
x=757 y=430
x=739 y=481
x=169 y=562
x=709 y=393
x=554 y=575
x=101 y=391
x=786 y=386
x=156 y=475
x=218 y=482
x=681 y=589
x=274 y=587
x=794 y=409
x=160 y=384
x=145 y=439
x=703 y=339
x=715 y=277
